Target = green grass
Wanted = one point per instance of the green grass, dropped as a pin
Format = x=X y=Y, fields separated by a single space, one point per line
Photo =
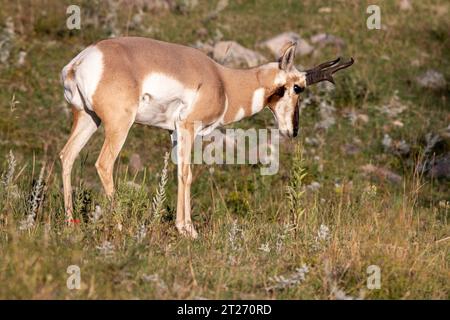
x=372 y=222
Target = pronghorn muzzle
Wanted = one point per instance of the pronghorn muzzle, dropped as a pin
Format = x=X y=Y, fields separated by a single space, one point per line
x=295 y=119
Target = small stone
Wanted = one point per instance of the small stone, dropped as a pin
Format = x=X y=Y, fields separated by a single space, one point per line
x=405 y=5
x=314 y=186
x=432 y=79
x=202 y=32
x=276 y=44
x=440 y=169
x=398 y=123
x=325 y=10
x=21 y=59
x=204 y=47
x=350 y=149
x=136 y=163
x=387 y=141
x=231 y=53
x=381 y=173
x=323 y=39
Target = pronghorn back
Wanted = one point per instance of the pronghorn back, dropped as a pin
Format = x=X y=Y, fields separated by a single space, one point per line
x=161 y=79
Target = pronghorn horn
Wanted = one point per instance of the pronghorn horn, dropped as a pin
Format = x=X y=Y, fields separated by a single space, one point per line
x=325 y=71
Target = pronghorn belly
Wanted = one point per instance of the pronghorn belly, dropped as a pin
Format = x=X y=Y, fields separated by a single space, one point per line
x=164 y=100
x=162 y=115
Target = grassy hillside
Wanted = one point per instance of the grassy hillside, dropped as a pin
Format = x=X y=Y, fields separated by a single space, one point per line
x=345 y=196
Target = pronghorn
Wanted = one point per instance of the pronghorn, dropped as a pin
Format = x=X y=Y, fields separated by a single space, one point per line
x=121 y=81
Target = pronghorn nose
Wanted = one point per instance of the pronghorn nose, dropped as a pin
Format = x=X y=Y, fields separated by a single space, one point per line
x=295 y=120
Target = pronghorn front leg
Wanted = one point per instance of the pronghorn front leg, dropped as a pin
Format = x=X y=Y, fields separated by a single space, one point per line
x=185 y=140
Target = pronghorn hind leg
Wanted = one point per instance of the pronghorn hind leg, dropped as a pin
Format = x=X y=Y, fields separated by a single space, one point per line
x=185 y=135
x=117 y=127
x=84 y=126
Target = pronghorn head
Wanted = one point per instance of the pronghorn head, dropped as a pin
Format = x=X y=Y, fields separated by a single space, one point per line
x=289 y=83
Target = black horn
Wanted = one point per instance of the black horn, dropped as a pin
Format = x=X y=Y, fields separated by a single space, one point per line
x=325 y=71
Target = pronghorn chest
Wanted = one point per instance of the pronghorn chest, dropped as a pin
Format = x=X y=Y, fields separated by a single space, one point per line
x=163 y=101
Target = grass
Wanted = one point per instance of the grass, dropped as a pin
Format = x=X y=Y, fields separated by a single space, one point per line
x=256 y=231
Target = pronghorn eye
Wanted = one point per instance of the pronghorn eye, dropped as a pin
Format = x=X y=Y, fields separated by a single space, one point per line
x=298 y=89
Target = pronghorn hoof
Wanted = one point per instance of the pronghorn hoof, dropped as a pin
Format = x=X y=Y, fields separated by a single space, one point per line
x=188 y=231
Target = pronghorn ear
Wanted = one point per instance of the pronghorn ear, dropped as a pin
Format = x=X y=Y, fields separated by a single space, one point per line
x=286 y=61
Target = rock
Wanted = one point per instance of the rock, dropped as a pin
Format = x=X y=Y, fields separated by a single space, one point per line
x=440 y=169
x=157 y=5
x=202 y=32
x=350 y=149
x=325 y=10
x=381 y=173
x=446 y=132
x=432 y=79
x=326 y=110
x=21 y=58
x=387 y=141
x=276 y=44
x=405 y=5
x=232 y=54
x=206 y=48
x=431 y=140
x=323 y=39
x=398 y=123
x=355 y=117
x=394 y=108
x=314 y=186
x=221 y=5
x=400 y=148
x=312 y=141
x=135 y=163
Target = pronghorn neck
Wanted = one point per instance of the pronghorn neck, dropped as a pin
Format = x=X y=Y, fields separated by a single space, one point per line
x=247 y=90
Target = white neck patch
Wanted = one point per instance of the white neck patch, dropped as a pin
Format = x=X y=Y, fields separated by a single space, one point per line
x=258 y=100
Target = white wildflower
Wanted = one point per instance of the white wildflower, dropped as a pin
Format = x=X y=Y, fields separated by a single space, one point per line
x=13 y=103
x=141 y=233
x=160 y=197
x=324 y=233
x=34 y=202
x=281 y=237
x=265 y=247
x=6 y=40
x=156 y=279
x=9 y=174
x=313 y=186
x=339 y=294
x=234 y=240
x=106 y=248
x=370 y=191
x=21 y=58
x=96 y=214
x=282 y=282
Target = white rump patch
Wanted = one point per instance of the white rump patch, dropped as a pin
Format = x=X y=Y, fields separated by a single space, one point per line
x=88 y=68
